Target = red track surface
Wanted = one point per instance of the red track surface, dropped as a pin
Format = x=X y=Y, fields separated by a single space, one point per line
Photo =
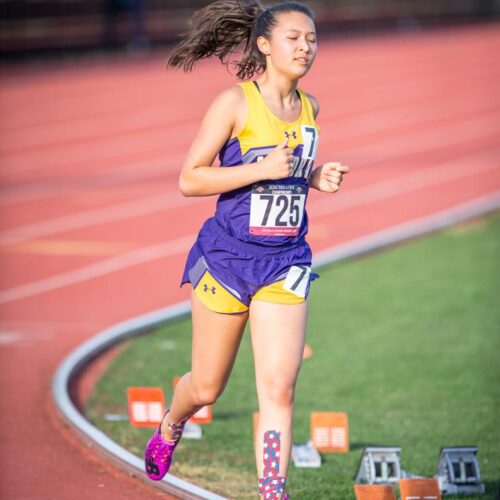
x=95 y=232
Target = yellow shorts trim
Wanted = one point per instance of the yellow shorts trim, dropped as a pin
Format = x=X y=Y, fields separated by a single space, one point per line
x=276 y=293
x=216 y=297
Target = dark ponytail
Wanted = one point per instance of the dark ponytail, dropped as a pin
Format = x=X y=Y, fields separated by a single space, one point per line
x=223 y=26
x=217 y=30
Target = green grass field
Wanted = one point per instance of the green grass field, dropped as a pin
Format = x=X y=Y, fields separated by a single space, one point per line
x=406 y=341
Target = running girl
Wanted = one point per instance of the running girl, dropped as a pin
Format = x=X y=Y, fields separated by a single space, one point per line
x=251 y=260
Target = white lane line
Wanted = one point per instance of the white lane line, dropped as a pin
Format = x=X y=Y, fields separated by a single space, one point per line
x=38 y=327
x=86 y=127
x=360 y=196
x=26 y=162
x=179 y=245
x=324 y=119
x=359 y=156
x=410 y=229
x=127 y=171
x=368 y=123
x=172 y=199
x=469 y=165
x=8 y=338
x=421 y=141
x=136 y=208
x=23 y=339
x=97 y=269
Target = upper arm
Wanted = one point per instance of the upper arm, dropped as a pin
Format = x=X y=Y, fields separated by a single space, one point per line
x=216 y=128
x=314 y=104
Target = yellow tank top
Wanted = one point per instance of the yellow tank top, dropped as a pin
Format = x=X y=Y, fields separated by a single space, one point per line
x=264 y=129
x=270 y=213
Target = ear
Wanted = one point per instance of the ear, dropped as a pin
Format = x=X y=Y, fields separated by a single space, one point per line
x=263 y=45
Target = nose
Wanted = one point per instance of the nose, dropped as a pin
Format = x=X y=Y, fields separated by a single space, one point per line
x=305 y=46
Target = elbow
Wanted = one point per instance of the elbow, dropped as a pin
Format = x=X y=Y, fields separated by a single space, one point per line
x=185 y=187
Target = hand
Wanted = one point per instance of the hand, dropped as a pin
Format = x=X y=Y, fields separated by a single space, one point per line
x=328 y=177
x=278 y=164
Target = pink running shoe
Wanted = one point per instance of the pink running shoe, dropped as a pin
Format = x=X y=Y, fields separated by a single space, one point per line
x=159 y=451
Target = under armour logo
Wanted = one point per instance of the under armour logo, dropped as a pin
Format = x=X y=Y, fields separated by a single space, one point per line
x=293 y=134
x=151 y=467
x=206 y=288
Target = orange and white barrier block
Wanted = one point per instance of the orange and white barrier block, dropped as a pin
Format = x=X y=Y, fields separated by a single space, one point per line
x=308 y=352
x=419 y=489
x=374 y=492
x=146 y=406
x=202 y=416
x=255 y=420
x=330 y=432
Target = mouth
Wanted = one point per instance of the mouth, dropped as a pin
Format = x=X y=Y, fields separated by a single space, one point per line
x=302 y=60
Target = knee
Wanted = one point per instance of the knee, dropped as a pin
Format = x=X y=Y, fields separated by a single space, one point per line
x=279 y=392
x=206 y=394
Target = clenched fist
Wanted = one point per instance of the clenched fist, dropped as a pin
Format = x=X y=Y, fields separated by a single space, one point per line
x=328 y=177
x=278 y=164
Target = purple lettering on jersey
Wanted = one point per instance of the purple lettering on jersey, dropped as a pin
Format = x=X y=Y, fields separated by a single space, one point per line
x=233 y=208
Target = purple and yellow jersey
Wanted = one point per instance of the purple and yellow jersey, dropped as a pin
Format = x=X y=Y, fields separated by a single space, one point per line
x=269 y=213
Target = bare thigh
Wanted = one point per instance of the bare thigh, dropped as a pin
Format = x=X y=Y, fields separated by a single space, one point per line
x=278 y=336
x=216 y=339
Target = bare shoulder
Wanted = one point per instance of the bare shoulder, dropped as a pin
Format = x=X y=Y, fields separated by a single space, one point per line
x=229 y=107
x=314 y=104
x=230 y=98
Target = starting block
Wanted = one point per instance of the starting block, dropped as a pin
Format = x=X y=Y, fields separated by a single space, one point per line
x=374 y=492
x=458 y=470
x=306 y=455
x=192 y=431
x=330 y=432
x=419 y=489
x=202 y=416
x=146 y=406
x=379 y=464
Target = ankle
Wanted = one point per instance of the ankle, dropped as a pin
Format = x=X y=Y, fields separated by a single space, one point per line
x=166 y=433
x=171 y=431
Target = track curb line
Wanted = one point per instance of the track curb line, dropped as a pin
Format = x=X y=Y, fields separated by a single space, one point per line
x=74 y=363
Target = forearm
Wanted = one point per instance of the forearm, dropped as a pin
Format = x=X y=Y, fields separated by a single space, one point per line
x=314 y=178
x=328 y=177
x=206 y=181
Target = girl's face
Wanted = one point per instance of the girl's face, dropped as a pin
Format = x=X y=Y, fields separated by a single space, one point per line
x=292 y=46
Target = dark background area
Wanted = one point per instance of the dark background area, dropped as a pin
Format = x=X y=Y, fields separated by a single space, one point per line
x=30 y=28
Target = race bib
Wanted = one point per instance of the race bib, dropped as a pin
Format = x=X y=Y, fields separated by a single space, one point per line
x=277 y=209
x=297 y=279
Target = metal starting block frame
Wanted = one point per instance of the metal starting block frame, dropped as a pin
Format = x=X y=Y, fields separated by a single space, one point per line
x=306 y=455
x=458 y=471
x=380 y=465
x=192 y=431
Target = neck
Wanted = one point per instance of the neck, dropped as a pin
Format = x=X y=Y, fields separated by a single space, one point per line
x=278 y=87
